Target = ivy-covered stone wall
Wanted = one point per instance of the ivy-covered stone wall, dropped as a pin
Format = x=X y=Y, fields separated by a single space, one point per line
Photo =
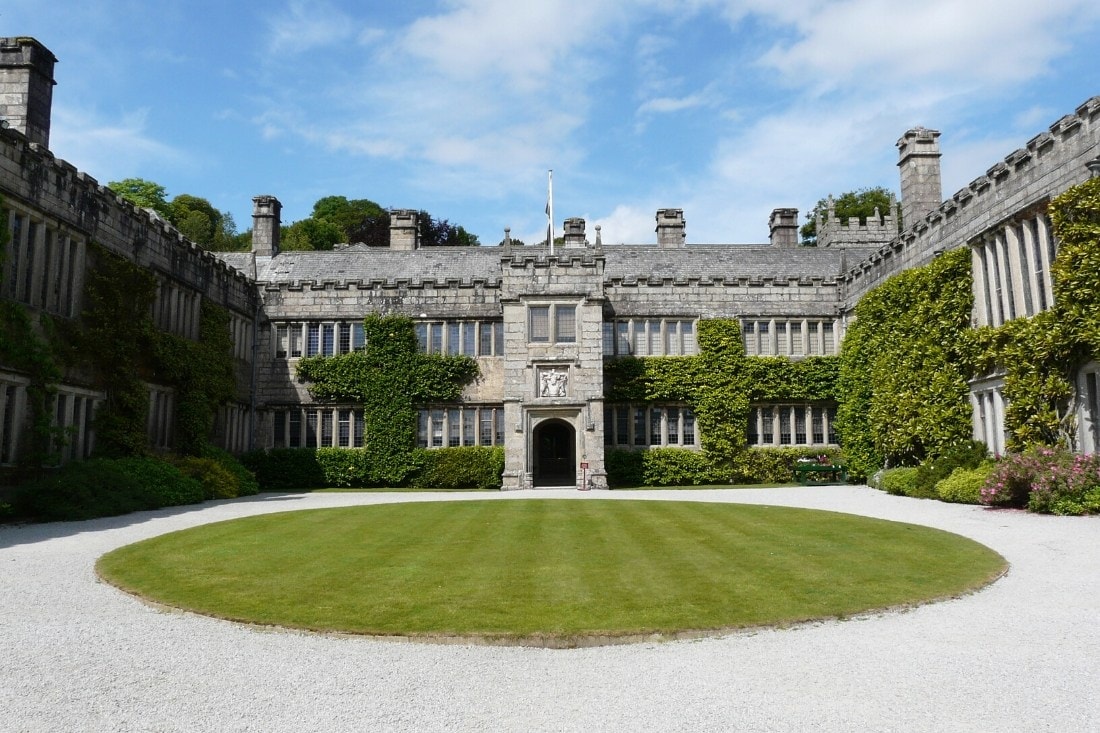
x=720 y=383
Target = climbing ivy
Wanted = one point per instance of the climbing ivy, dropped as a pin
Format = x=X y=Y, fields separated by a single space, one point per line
x=1075 y=215
x=202 y=374
x=116 y=337
x=904 y=367
x=1039 y=356
x=389 y=377
x=720 y=383
x=26 y=345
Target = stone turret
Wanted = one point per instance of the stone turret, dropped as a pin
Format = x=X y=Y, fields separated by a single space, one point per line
x=266 y=220
x=26 y=88
x=574 y=233
x=404 y=230
x=783 y=227
x=919 y=163
x=670 y=228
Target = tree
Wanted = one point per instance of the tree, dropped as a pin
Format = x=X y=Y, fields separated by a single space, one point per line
x=199 y=221
x=195 y=217
x=860 y=204
x=311 y=234
x=441 y=233
x=143 y=194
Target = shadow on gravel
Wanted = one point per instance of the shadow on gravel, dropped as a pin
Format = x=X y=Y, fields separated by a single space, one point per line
x=13 y=535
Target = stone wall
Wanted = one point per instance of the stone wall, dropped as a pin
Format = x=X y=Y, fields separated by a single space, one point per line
x=1051 y=162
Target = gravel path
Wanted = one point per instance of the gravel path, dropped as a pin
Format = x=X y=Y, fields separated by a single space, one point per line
x=1021 y=655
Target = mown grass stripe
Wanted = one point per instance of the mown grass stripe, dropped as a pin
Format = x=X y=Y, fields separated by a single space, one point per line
x=548 y=567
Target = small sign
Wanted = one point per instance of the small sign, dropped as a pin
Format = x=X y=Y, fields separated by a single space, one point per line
x=584 y=465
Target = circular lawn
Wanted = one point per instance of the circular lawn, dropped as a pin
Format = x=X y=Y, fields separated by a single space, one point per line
x=548 y=571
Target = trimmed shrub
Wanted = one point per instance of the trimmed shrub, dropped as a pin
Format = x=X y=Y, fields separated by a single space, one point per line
x=676 y=467
x=343 y=467
x=106 y=487
x=775 y=465
x=964 y=485
x=906 y=482
x=217 y=482
x=246 y=480
x=281 y=469
x=969 y=454
x=624 y=468
x=464 y=467
x=685 y=467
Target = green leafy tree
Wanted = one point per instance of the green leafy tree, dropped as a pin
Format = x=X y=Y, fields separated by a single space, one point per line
x=860 y=204
x=199 y=221
x=311 y=234
x=144 y=194
x=441 y=233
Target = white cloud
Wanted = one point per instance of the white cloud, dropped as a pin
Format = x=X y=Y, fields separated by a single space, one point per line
x=112 y=150
x=662 y=105
x=308 y=24
x=626 y=224
x=874 y=42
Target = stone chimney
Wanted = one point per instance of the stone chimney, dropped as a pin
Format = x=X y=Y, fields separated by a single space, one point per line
x=404 y=232
x=783 y=227
x=574 y=233
x=919 y=161
x=670 y=228
x=266 y=221
x=26 y=88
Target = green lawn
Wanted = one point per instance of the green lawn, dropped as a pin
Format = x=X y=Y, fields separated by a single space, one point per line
x=543 y=567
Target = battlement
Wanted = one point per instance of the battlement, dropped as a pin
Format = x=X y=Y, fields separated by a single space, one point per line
x=72 y=201
x=1026 y=178
x=875 y=231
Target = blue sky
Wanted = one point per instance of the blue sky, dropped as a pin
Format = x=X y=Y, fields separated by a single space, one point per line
x=724 y=108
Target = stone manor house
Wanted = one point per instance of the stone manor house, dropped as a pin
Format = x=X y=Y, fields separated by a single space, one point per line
x=541 y=322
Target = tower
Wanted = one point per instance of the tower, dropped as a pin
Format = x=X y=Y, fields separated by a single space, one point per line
x=919 y=164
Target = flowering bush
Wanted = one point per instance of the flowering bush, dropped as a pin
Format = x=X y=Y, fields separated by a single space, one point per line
x=1070 y=486
x=1046 y=480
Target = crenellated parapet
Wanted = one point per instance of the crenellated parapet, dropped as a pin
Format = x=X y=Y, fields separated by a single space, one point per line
x=1051 y=162
x=873 y=231
x=68 y=201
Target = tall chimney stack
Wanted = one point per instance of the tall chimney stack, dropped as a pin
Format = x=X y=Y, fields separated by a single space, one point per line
x=266 y=213
x=26 y=87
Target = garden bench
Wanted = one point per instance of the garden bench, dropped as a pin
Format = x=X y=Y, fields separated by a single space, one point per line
x=820 y=473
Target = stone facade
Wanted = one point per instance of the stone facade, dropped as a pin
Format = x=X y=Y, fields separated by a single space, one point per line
x=541 y=322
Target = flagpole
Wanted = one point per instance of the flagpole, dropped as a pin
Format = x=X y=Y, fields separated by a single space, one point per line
x=550 y=208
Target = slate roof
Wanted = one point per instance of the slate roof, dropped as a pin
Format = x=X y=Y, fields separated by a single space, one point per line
x=627 y=263
x=368 y=264
x=722 y=261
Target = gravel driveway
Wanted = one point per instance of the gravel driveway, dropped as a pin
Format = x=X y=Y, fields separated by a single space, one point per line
x=1020 y=655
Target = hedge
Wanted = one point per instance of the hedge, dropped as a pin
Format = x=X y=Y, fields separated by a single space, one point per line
x=464 y=467
x=105 y=487
x=685 y=467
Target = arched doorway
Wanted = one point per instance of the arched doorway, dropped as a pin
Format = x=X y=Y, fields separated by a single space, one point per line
x=555 y=454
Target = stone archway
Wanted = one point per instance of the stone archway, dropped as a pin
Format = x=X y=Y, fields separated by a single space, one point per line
x=554 y=450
